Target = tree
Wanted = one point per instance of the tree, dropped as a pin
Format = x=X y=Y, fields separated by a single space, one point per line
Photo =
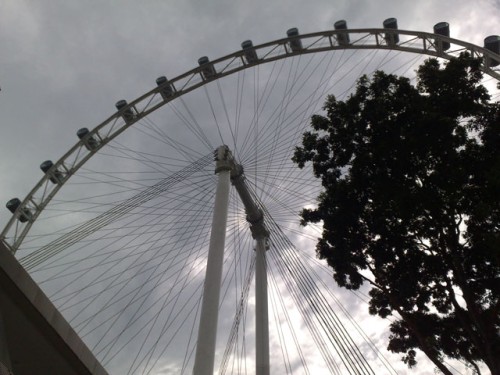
x=411 y=205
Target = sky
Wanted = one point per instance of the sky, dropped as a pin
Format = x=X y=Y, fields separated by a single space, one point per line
x=64 y=63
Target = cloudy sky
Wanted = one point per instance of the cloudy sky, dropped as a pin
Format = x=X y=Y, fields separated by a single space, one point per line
x=64 y=63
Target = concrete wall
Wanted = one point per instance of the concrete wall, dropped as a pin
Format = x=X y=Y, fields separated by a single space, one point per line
x=35 y=338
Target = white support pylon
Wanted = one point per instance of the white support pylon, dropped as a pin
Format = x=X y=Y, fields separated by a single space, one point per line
x=261 y=235
x=227 y=169
x=207 y=333
x=262 y=364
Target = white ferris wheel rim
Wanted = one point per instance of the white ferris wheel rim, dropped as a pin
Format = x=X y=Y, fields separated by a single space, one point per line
x=360 y=39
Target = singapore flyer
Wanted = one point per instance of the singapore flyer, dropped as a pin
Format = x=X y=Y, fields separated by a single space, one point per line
x=111 y=200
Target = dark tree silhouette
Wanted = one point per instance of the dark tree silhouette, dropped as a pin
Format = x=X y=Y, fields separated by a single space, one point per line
x=411 y=205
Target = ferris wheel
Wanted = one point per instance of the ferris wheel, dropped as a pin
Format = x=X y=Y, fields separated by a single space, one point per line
x=117 y=230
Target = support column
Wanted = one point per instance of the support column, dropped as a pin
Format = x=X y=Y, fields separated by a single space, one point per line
x=260 y=233
x=261 y=309
x=207 y=333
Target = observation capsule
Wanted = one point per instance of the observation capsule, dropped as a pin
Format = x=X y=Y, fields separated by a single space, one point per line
x=295 y=44
x=208 y=70
x=492 y=43
x=442 y=28
x=342 y=38
x=25 y=213
x=88 y=140
x=127 y=114
x=391 y=38
x=249 y=52
x=55 y=176
x=166 y=89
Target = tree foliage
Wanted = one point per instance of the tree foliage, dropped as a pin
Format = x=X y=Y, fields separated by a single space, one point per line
x=411 y=204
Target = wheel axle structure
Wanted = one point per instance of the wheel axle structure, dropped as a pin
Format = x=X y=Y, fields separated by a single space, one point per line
x=226 y=168
x=185 y=178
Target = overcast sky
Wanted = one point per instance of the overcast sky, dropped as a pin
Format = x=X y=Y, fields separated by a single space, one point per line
x=64 y=63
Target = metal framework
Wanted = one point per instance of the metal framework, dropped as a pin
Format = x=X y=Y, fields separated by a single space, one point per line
x=409 y=41
x=227 y=170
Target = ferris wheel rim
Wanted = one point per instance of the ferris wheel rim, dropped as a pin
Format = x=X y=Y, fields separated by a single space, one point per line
x=130 y=113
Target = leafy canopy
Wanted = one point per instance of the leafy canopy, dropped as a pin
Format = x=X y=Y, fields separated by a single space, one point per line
x=411 y=204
